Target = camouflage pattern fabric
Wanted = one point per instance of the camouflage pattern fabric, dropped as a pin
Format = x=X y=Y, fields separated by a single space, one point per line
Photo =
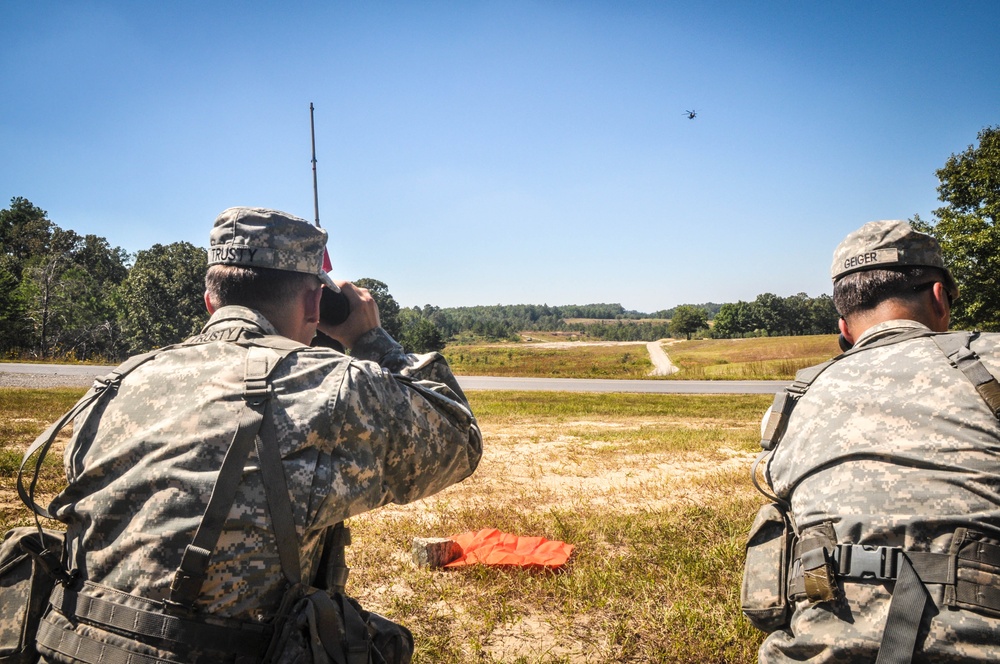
x=353 y=437
x=892 y=446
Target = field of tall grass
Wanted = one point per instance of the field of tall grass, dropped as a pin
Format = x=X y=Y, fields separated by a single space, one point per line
x=765 y=358
x=761 y=358
x=544 y=361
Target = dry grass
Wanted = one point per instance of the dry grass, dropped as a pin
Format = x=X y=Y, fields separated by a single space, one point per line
x=576 y=361
x=25 y=413
x=765 y=358
x=655 y=496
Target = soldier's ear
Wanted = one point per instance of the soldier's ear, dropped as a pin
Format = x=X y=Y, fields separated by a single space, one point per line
x=312 y=298
x=845 y=335
x=940 y=307
x=208 y=304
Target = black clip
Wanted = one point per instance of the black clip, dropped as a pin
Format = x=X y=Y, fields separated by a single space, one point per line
x=860 y=561
x=47 y=559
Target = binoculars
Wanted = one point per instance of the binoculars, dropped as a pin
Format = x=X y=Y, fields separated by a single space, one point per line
x=334 y=308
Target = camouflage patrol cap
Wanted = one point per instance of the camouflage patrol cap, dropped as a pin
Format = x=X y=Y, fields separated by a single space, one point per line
x=257 y=237
x=885 y=245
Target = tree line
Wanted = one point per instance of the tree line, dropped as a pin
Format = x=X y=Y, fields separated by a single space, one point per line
x=78 y=297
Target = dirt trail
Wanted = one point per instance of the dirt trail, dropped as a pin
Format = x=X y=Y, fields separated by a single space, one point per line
x=663 y=365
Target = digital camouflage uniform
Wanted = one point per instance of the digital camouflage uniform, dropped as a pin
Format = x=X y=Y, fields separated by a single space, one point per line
x=894 y=447
x=354 y=434
x=890 y=446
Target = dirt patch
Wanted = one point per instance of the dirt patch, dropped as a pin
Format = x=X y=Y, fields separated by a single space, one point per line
x=543 y=466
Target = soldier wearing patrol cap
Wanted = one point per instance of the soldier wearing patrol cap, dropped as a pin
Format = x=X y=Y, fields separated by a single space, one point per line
x=886 y=461
x=349 y=433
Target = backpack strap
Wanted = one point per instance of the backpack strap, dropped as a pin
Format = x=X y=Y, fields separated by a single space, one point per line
x=255 y=418
x=333 y=566
x=279 y=504
x=957 y=348
x=102 y=388
x=49 y=559
x=332 y=572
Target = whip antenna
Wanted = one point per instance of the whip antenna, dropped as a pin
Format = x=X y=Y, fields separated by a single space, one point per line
x=334 y=307
x=312 y=130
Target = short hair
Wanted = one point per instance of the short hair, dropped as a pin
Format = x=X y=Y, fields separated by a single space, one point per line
x=862 y=291
x=264 y=289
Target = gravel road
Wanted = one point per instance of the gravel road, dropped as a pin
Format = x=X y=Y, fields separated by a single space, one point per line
x=42 y=378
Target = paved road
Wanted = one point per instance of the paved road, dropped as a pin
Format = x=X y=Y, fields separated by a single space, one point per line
x=609 y=385
x=51 y=375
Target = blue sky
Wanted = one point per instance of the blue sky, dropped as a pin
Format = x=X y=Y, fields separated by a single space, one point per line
x=503 y=152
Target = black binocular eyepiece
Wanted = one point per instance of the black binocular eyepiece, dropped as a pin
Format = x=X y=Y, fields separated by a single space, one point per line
x=334 y=308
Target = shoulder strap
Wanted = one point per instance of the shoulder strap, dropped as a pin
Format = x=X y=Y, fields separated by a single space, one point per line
x=957 y=348
x=255 y=416
x=102 y=388
x=279 y=505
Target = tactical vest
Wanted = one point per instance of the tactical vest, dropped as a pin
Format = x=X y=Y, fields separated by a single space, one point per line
x=816 y=561
x=127 y=629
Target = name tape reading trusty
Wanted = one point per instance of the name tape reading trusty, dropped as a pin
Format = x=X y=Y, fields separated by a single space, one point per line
x=242 y=255
x=877 y=257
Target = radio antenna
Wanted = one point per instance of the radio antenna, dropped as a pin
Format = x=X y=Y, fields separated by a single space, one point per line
x=312 y=130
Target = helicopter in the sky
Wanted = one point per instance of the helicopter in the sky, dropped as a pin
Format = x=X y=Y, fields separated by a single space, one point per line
x=691 y=114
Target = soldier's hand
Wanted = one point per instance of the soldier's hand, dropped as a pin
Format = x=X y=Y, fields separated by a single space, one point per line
x=364 y=316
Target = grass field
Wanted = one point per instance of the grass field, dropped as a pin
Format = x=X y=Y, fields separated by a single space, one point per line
x=539 y=360
x=765 y=358
x=652 y=490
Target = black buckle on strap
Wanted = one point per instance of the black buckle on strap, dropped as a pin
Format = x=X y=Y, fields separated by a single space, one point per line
x=860 y=561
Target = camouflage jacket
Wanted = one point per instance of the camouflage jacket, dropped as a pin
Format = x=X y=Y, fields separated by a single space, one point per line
x=891 y=446
x=353 y=436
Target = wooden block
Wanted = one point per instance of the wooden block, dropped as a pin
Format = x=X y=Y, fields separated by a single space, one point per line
x=434 y=552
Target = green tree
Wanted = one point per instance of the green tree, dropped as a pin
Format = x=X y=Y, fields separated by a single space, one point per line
x=66 y=295
x=12 y=319
x=162 y=300
x=771 y=313
x=25 y=230
x=735 y=319
x=687 y=320
x=967 y=228
x=388 y=308
x=418 y=334
x=824 y=315
x=57 y=286
x=24 y=233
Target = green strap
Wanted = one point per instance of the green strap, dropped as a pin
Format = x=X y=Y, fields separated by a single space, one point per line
x=81 y=648
x=957 y=348
x=190 y=575
x=279 y=504
x=254 y=418
x=332 y=571
x=906 y=611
